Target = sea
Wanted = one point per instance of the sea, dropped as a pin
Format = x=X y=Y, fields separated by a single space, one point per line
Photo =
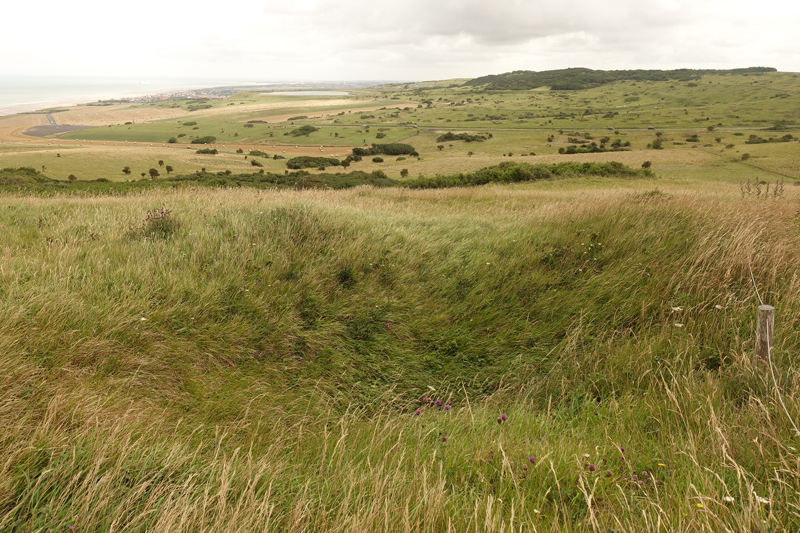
x=23 y=94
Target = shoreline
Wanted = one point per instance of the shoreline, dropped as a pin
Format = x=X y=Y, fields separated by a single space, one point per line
x=12 y=109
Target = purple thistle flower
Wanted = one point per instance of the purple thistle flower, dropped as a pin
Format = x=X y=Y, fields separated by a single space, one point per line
x=504 y=416
x=622 y=449
x=590 y=467
x=645 y=474
x=444 y=439
x=447 y=407
x=438 y=402
x=532 y=459
x=417 y=412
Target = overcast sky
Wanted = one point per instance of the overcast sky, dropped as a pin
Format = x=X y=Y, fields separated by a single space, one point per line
x=389 y=40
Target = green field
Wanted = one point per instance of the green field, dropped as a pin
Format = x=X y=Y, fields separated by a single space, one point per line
x=247 y=351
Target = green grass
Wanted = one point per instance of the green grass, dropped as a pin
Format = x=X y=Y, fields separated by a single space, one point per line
x=261 y=360
x=254 y=358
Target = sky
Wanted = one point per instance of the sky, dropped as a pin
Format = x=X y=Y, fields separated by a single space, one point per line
x=411 y=40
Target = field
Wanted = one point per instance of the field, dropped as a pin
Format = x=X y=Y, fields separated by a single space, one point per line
x=569 y=353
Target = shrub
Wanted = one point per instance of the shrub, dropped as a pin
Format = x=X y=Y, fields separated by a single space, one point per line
x=404 y=173
x=208 y=139
x=255 y=163
x=159 y=224
x=172 y=140
x=210 y=151
x=297 y=163
x=450 y=136
x=301 y=117
x=303 y=130
x=377 y=160
x=190 y=123
x=248 y=125
x=380 y=135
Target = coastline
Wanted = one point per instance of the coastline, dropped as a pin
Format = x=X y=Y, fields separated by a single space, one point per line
x=10 y=109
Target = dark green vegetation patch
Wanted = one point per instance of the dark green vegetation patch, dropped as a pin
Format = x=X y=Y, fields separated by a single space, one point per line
x=572 y=79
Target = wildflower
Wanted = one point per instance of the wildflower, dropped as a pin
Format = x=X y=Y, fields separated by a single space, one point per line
x=645 y=474
x=438 y=402
x=661 y=464
x=532 y=459
x=447 y=407
x=537 y=511
x=759 y=499
x=622 y=449
x=504 y=416
x=719 y=307
x=417 y=412
x=142 y=319
x=729 y=499
x=677 y=325
x=608 y=473
x=444 y=439
x=590 y=467
x=699 y=505
x=524 y=467
x=676 y=309
x=389 y=326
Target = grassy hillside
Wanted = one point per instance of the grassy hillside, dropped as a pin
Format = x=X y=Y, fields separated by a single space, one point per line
x=255 y=360
x=575 y=79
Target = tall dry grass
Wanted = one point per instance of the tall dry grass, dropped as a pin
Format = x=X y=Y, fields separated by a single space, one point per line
x=265 y=391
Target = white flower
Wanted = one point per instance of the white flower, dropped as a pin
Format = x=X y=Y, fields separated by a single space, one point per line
x=759 y=499
x=718 y=307
x=142 y=319
x=677 y=325
x=676 y=309
x=537 y=511
x=729 y=499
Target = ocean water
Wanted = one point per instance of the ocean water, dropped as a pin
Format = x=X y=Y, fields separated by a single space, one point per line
x=20 y=94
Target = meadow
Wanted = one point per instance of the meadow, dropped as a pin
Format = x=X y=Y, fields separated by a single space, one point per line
x=573 y=353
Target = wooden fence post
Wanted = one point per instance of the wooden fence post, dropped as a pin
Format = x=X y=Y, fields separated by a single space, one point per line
x=764 y=327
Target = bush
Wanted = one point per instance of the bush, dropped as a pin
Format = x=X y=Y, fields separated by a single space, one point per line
x=301 y=117
x=159 y=224
x=385 y=149
x=208 y=139
x=377 y=160
x=209 y=151
x=248 y=125
x=380 y=135
x=303 y=130
x=172 y=140
x=255 y=163
x=190 y=123
x=297 y=163
x=450 y=136
x=404 y=173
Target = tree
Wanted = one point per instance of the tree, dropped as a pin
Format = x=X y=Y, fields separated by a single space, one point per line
x=144 y=174
x=345 y=163
x=470 y=154
x=153 y=173
x=172 y=140
x=169 y=169
x=646 y=164
x=404 y=173
x=72 y=177
x=126 y=171
x=440 y=147
x=161 y=162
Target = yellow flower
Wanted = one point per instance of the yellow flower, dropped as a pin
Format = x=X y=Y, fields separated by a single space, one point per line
x=661 y=464
x=699 y=505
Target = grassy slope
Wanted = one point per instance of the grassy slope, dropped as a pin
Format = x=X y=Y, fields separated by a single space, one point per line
x=265 y=390
x=262 y=378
